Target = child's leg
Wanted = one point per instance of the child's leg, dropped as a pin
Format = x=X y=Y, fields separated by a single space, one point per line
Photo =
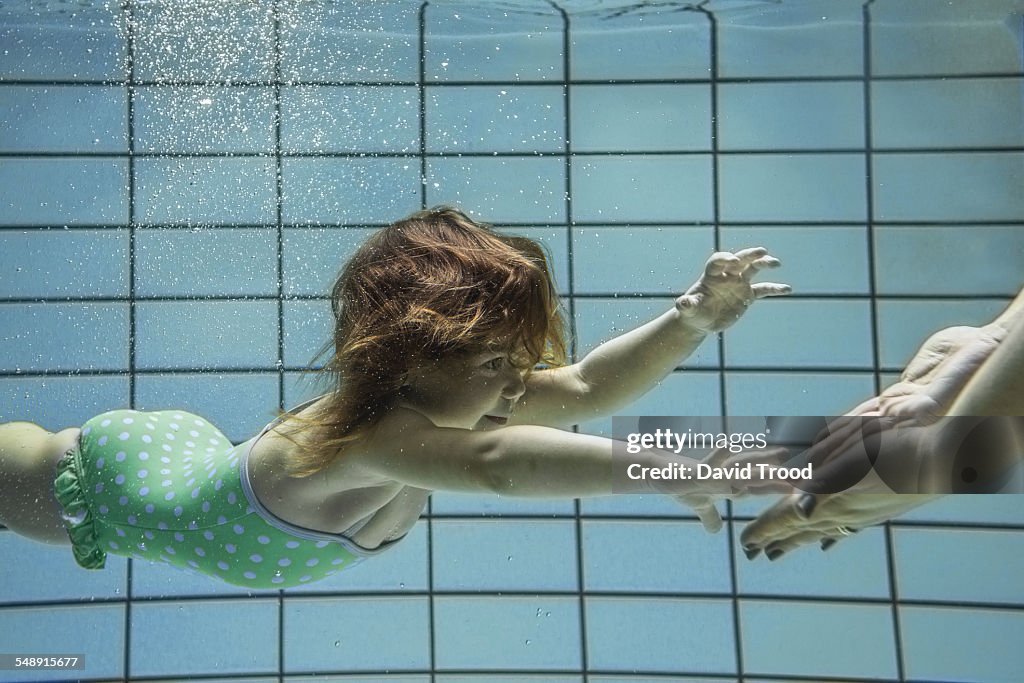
x=28 y=461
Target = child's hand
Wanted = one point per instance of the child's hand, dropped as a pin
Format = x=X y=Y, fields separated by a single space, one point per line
x=724 y=292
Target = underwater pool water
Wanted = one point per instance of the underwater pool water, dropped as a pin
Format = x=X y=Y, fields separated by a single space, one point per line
x=180 y=181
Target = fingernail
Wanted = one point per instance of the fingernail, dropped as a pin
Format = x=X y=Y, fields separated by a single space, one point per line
x=828 y=543
x=774 y=554
x=751 y=553
x=806 y=505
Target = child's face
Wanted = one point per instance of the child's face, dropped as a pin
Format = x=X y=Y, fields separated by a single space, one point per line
x=478 y=391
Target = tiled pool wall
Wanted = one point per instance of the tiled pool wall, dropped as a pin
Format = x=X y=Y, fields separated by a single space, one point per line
x=179 y=183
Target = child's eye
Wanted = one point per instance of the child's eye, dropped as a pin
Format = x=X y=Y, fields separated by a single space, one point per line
x=495 y=363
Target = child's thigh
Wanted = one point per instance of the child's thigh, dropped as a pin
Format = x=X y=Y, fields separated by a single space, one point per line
x=28 y=461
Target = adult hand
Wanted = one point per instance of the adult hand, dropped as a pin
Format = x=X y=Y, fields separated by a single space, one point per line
x=724 y=291
x=704 y=496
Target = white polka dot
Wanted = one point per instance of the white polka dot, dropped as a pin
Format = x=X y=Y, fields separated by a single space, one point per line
x=144 y=491
x=150 y=508
x=179 y=417
x=195 y=493
x=208 y=535
x=239 y=529
x=179 y=537
x=338 y=560
x=292 y=544
x=143 y=455
x=142 y=474
x=165 y=460
x=99 y=488
x=193 y=526
x=211 y=449
x=128 y=420
x=100 y=463
x=114 y=545
x=322 y=544
x=214 y=442
x=256 y=558
x=104 y=509
x=193 y=433
x=206 y=506
x=249 y=575
x=123 y=436
x=284 y=563
x=189 y=444
x=277 y=579
x=218 y=484
x=87 y=430
x=230 y=547
x=166 y=482
x=190 y=481
x=331 y=573
x=123 y=500
x=167 y=448
x=192 y=563
x=178 y=510
x=223 y=565
x=169 y=496
x=102 y=441
x=312 y=563
x=150 y=425
x=305 y=578
x=221 y=519
x=175 y=426
x=148 y=534
x=232 y=498
x=264 y=540
x=119 y=532
x=198 y=423
x=121 y=455
x=105 y=423
x=200 y=552
x=169 y=550
x=147 y=438
x=169 y=437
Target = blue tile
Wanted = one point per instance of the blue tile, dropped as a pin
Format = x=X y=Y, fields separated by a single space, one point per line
x=947 y=113
x=206 y=262
x=791 y=40
x=376 y=678
x=349 y=191
x=802 y=332
x=467 y=43
x=599 y=320
x=518 y=678
x=87 y=44
x=402 y=568
x=984 y=259
x=95 y=632
x=350 y=119
x=534 y=633
x=803 y=187
x=368 y=42
x=815 y=260
x=229 y=43
x=642 y=188
x=227 y=636
x=48 y=572
x=204 y=119
x=904 y=325
x=756 y=116
x=792 y=393
x=635 y=505
x=504 y=555
x=447 y=503
x=48 y=263
x=669 y=118
x=664 y=634
x=949 y=187
x=495 y=119
x=206 y=334
x=64 y=336
x=64 y=191
x=606 y=46
x=662 y=260
x=987 y=569
x=521 y=189
x=59 y=402
x=35 y=119
x=855 y=568
x=157 y=580
x=308 y=326
x=204 y=191
x=813 y=639
x=675 y=557
x=916 y=37
x=980 y=509
x=239 y=404
x=314 y=257
x=325 y=634
x=980 y=646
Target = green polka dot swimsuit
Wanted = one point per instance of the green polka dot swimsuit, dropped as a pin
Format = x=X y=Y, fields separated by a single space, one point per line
x=169 y=487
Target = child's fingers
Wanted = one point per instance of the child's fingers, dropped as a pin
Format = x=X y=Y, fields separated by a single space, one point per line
x=751 y=255
x=722 y=262
x=764 y=262
x=763 y=289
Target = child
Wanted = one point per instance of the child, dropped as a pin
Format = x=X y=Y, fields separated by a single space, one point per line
x=441 y=325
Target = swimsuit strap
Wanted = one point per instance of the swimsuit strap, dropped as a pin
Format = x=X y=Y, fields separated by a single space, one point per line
x=296 y=409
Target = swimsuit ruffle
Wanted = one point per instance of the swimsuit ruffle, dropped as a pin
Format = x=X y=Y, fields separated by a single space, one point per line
x=78 y=519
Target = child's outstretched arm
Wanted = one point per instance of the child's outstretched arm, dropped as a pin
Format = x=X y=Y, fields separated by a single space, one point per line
x=621 y=370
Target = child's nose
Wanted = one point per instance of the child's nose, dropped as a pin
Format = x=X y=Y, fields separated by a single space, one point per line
x=514 y=386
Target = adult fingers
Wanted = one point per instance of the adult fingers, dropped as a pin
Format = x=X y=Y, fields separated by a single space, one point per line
x=777 y=549
x=776 y=523
x=704 y=507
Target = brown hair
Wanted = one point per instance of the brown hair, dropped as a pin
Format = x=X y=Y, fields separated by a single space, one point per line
x=427 y=287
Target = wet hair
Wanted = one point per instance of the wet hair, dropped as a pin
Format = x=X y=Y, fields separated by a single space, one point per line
x=433 y=286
